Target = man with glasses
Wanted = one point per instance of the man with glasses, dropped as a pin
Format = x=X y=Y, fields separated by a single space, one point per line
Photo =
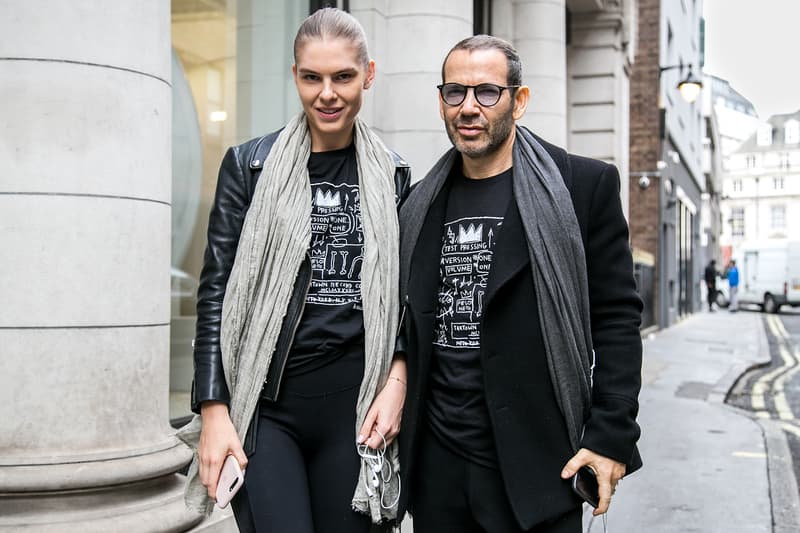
x=521 y=320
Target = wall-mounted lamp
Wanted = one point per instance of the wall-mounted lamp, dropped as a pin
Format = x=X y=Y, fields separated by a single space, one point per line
x=690 y=85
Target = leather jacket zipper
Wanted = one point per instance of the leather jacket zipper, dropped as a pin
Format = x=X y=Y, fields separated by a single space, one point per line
x=296 y=320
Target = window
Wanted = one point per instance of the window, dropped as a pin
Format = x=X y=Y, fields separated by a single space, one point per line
x=778 y=217
x=764 y=135
x=737 y=185
x=737 y=221
x=791 y=132
x=751 y=161
x=784 y=164
x=777 y=183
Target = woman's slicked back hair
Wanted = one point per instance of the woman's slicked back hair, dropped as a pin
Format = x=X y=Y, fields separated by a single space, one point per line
x=332 y=23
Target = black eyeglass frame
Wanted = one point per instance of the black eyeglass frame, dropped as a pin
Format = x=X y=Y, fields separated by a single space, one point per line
x=474 y=88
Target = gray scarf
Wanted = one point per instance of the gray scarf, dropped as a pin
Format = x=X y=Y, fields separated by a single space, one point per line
x=557 y=261
x=272 y=246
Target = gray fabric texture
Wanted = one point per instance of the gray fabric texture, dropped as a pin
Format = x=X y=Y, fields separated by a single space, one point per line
x=557 y=260
x=273 y=243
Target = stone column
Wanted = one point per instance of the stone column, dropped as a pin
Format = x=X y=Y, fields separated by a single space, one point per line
x=85 y=156
x=598 y=88
x=539 y=34
x=408 y=41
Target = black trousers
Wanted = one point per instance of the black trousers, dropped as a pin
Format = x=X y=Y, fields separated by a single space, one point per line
x=303 y=473
x=452 y=494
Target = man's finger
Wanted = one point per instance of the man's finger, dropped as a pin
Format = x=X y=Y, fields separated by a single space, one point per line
x=573 y=465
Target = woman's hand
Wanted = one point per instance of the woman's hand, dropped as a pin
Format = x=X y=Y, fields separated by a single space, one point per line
x=218 y=440
x=386 y=411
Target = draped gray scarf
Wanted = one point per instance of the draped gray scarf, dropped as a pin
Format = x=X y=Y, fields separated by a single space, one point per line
x=272 y=246
x=557 y=261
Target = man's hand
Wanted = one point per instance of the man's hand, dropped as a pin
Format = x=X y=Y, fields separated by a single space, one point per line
x=218 y=440
x=608 y=473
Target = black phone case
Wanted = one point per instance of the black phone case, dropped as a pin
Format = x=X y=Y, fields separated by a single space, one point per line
x=584 y=483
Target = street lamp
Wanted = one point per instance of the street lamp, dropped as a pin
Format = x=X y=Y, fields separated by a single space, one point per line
x=690 y=86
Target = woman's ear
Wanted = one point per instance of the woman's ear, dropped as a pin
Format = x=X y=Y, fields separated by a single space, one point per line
x=370 y=77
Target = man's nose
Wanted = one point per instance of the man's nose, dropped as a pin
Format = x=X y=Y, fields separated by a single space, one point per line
x=470 y=104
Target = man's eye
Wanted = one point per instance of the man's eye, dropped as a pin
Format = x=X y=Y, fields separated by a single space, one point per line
x=310 y=77
x=345 y=76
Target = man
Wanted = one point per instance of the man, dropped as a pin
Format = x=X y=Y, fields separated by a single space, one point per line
x=504 y=245
x=733 y=286
x=710 y=276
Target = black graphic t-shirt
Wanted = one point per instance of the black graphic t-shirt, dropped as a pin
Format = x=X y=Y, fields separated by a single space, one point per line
x=332 y=321
x=457 y=409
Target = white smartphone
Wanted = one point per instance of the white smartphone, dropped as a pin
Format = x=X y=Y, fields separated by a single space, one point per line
x=231 y=479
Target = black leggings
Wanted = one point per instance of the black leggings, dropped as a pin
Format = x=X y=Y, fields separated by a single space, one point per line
x=303 y=473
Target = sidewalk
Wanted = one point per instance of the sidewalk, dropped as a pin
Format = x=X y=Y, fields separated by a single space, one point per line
x=705 y=463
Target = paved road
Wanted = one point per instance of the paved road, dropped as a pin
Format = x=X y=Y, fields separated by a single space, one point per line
x=773 y=391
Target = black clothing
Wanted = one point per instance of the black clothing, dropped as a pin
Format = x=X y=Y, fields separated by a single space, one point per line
x=710 y=277
x=332 y=319
x=469 y=498
x=240 y=170
x=457 y=407
x=528 y=427
x=305 y=467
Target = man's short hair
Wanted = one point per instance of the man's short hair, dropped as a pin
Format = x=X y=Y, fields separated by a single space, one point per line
x=488 y=42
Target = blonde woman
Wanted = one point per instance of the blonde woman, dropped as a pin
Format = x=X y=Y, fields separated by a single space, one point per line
x=296 y=370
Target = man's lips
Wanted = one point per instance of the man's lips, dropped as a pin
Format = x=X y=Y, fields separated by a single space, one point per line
x=470 y=130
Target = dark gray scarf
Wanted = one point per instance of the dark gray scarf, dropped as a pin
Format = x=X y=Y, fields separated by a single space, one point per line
x=557 y=261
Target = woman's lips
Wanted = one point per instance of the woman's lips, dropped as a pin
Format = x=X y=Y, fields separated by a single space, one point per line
x=329 y=114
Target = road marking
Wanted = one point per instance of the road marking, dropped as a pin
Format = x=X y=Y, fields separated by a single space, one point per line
x=794 y=430
x=781 y=404
x=779 y=325
x=750 y=455
x=775 y=379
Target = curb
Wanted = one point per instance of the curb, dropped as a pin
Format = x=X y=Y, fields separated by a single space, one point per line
x=725 y=385
x=784 y=498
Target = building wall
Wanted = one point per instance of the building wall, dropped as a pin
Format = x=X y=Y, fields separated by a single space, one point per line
x=645 y=147
x=680 y=45
x=758 y=180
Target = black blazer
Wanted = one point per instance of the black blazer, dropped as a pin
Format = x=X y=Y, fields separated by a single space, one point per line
x=529 y=429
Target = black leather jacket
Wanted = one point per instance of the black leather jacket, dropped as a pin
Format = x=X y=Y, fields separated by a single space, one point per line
x=238 y=175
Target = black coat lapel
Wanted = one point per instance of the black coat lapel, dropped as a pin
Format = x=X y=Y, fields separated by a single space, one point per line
x=510 y=253
x=423 y=285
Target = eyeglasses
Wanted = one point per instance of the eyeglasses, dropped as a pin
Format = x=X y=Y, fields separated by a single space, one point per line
x=487 y=94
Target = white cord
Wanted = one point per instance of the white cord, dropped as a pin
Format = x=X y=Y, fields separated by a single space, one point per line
x=376 y=464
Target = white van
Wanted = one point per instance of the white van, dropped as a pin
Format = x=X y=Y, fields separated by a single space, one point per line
x=769 y=275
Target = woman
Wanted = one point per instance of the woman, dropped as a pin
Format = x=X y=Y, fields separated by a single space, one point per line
x=298 y=307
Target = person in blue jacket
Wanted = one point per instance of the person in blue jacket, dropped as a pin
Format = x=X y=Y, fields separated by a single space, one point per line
x=733 y=283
